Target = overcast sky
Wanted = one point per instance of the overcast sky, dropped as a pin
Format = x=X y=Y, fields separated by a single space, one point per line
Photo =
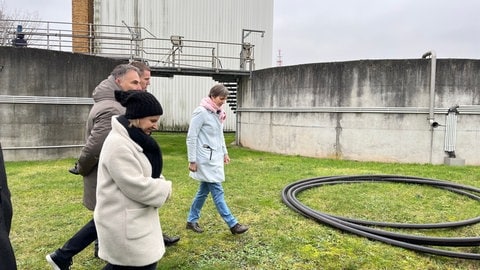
x=337 y=30
x=309 y=31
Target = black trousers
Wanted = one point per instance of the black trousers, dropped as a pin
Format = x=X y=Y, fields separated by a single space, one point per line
x=84 y=237
x=7 y=257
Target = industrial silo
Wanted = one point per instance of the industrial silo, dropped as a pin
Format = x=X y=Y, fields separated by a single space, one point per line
x=175 y=22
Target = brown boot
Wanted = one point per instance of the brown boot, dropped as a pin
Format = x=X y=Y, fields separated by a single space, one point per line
x=194 y=227
x=238 y=228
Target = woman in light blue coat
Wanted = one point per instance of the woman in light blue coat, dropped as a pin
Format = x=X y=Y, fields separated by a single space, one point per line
x=207 y=154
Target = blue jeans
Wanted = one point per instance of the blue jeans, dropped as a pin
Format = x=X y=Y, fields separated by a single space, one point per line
x=218 y=199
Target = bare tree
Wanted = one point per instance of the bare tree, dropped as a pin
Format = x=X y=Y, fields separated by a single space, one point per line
x=20 y=15
x=10 y=20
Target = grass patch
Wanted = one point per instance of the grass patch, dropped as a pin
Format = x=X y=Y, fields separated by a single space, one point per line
x=48 y=210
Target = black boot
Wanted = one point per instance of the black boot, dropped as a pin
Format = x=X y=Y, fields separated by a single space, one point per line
x=57 y=261
x=170 y=240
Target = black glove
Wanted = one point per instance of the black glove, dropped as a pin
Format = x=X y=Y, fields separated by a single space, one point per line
x=74 y=170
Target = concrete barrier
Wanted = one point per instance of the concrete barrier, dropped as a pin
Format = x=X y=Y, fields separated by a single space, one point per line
x=45 y=97
x=369 y=110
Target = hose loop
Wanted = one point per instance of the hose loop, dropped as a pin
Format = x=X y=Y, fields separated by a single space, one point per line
x=362 y=227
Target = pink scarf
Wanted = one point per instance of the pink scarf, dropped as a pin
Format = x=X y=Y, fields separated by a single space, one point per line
x=211 y=106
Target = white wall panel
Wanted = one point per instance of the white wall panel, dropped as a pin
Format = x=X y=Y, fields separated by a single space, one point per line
x=208 y=20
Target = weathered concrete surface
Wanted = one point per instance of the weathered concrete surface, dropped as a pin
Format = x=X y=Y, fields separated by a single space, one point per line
x=361 y=110
x=42 y=73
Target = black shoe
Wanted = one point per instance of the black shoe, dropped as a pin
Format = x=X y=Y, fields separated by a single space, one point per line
x=170 y=240
x=194 y=227
x=58 y=263
x=239 y=228
x=74 y=170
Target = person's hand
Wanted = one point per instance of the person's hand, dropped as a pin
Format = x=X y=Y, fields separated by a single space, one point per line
x=226 y=159
x=192 y=166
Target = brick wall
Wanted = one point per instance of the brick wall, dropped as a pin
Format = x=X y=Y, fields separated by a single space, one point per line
x=82 y=16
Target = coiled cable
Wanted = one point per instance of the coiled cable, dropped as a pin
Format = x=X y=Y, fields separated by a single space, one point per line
x=361 y=227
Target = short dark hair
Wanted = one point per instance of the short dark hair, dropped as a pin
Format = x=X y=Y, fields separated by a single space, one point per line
x=141 y=66
x=218 y=90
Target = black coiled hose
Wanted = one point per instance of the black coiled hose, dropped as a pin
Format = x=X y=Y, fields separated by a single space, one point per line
x=360 y=227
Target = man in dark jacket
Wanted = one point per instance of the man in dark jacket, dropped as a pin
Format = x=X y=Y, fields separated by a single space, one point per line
x=123 y=77
x=7 y=257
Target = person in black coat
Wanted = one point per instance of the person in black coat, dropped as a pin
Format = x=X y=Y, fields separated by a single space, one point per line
x=7 y=257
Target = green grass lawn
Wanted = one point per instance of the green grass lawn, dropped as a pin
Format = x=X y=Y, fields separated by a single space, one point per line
x=48 y=210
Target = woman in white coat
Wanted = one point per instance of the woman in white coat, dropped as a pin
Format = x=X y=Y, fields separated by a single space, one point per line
x=207 y=154
x=131 y=187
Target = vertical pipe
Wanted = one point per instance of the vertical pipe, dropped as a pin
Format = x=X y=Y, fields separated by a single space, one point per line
x=431 y=116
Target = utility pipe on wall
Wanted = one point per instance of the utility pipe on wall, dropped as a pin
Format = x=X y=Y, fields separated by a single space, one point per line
x=431 y=116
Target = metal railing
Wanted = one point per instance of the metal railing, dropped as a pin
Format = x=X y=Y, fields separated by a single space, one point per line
x=134 y=43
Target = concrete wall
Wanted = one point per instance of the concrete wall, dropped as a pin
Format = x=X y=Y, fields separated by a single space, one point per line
x=361 y=110
x=45 y=97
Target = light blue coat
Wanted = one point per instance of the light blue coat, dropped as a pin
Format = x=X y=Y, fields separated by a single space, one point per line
x=206 y=146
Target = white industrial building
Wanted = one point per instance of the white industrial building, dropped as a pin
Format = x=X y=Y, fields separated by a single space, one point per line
x=223 y=24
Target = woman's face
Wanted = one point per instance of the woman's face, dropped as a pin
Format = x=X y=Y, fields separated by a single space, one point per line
x=148 y=124
x=219 y=100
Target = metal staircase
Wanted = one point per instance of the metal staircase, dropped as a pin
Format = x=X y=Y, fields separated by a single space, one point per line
x=232 y=97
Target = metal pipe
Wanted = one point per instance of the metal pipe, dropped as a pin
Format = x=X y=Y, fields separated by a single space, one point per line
x=9 y=99
x=43 y=147
x=431 y=116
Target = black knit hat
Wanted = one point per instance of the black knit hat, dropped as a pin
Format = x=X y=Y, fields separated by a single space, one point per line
x=139 y=104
